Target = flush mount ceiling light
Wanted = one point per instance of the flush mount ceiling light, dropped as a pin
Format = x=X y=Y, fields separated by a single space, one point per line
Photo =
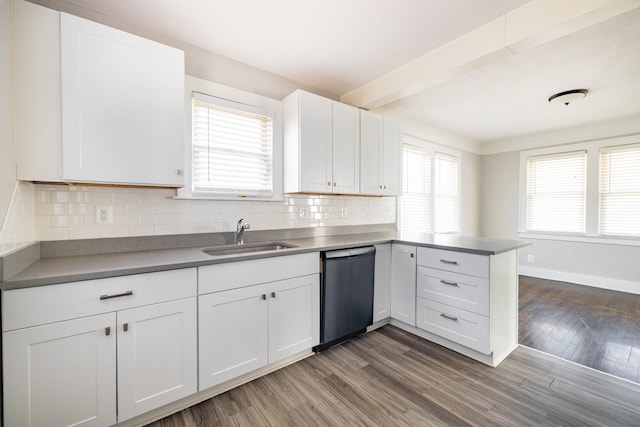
x=568 y=97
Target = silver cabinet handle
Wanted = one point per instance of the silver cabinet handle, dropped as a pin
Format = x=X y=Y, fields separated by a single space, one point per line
x=329 y=183
x=124 y=294
x=446 y=261
x=448 y=316
x=107 y=330
x=447 y=282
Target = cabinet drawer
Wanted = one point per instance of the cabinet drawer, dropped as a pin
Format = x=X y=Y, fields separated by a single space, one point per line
x=458 y=262
x=468 y=293
x=460 y=326
x=231 y=275
x=23 y=308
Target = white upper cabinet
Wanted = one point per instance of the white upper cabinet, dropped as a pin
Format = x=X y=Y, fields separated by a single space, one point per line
x=108 y=109
x=321 y=145
x=380 y=155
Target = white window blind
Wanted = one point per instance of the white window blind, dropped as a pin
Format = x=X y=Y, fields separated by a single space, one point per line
x=620 y=190
x=556 y=192
x=415 y=209
x=446 y=193
x=232 y=148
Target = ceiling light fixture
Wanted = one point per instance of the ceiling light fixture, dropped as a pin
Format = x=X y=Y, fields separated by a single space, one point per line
x=568 y=97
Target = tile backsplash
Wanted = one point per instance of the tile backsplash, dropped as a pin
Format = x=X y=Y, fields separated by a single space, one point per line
x=18 y=229
x=69 y=212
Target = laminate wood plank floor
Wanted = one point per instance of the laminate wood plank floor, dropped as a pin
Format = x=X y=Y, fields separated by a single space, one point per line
x=391 y=378
x=594 y=327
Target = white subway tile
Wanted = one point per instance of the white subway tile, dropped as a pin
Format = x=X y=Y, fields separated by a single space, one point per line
x=98 y=196
x=83 y=233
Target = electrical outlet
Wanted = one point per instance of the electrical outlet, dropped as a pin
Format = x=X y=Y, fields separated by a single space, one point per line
x=343 y=213
x=104 y=215
x=531 y=258
x=303 y=213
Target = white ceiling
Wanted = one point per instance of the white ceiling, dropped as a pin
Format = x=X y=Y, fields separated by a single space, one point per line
x=509 y=98
x=337 y=46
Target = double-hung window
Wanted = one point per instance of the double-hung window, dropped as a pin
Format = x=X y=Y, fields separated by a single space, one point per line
x=556 y=192
x=582 y=191
x=620 y=190
x=430 y=188
x=232 y=149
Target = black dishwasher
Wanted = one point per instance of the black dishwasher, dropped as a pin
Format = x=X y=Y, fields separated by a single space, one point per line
x=346 y=294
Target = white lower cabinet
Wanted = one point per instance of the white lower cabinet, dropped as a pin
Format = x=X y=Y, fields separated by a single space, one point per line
x=233 y=334
x=137 y=348
x=61 y=374
x=247 y=323
x=382 y=283
x=403 y=283
x=156 y=356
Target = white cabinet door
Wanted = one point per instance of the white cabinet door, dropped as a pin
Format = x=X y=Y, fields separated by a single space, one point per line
x=157 y=356
x=233 y=334
x=122 y=106
x=382 y=283
x=61 y=374
x=294 y=316
x=346 y=149
x=109 y=108
x=370 y=149
x=392 y=159
x=403 y=283
x=315 y=143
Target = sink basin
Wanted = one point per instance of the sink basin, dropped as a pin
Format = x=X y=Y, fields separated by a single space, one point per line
x=247 y=248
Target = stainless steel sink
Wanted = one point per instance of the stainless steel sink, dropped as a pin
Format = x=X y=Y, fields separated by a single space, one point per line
x=247 y=248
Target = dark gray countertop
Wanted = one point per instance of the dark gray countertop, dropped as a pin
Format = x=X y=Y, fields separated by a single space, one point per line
x=53 y=270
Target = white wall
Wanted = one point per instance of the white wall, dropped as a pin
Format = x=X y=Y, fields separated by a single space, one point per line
x=612 y=266
x=7 y=149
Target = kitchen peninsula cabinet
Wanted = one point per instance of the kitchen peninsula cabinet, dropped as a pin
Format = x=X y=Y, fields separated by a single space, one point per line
x=321 y=145
x=465 y=301
x=254 y=313
x=380 y=155
x=108 y=109
x=98 y=352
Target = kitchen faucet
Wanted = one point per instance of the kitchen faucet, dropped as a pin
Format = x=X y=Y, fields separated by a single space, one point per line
x=240 y=227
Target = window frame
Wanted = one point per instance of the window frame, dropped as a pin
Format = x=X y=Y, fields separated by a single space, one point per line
x=592 y=203
x=432 y=149
x=254 y=102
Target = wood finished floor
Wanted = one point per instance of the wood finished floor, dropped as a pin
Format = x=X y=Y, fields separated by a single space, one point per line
x=594 y=327
x=390 y=378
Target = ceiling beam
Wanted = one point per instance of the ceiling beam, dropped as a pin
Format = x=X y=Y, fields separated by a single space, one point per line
x=530 y=25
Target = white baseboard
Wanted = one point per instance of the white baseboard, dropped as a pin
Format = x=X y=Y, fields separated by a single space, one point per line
x=582 y=279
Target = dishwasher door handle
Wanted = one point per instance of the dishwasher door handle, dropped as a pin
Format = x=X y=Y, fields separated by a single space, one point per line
x=344 y=253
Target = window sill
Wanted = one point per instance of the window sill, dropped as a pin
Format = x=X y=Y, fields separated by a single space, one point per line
x=277 y=198
x=602 y=240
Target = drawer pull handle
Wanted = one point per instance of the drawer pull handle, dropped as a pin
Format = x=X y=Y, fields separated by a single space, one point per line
x=125 y=327
x=124 y=294
x=448 y=316
x=447 y=282
x=446 y=261
x=107 y=330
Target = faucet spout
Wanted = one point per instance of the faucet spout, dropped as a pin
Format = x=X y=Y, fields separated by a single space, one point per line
x=240 y=227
